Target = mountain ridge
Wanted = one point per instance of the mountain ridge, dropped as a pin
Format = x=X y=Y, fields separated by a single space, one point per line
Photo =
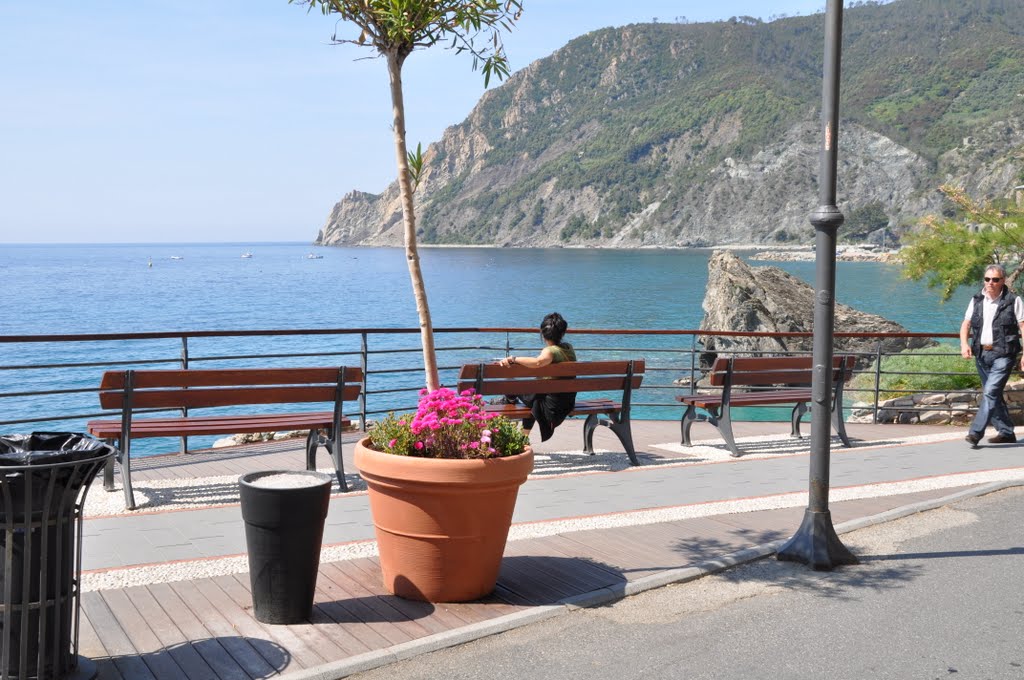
x=679 y=135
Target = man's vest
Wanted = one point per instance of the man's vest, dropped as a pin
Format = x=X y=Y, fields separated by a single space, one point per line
x=1005 y=330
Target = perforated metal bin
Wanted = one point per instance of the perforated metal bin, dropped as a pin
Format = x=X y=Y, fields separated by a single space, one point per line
x=44 y=478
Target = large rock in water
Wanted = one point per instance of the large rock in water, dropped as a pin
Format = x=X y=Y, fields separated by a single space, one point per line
x=767 y=299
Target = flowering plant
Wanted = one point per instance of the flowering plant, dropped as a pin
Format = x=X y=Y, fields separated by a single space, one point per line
x=448 y=424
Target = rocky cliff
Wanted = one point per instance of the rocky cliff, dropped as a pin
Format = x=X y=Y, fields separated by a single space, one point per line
x=705 y=134
x=769 y=300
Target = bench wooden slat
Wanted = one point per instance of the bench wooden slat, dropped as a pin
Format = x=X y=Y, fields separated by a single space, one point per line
x=226 y=396
x=552 y=385
x=747 y=398
x=772 y=370
x=570 y=369
x=519 y=411
x=210 y=425
x=221 y=377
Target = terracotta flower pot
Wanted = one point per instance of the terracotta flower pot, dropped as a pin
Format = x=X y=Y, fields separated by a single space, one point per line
x=441 y=524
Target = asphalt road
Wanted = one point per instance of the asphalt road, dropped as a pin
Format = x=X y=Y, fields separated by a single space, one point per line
x=937 y=595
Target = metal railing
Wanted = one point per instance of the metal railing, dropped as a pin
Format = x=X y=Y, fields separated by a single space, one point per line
x=53 y=380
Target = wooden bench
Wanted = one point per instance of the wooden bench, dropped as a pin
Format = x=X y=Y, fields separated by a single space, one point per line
x=568 y=376
x=774 y=380
x=192 y=389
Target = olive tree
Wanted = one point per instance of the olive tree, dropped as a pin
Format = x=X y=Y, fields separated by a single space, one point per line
x=394 y=29
x=949 y=253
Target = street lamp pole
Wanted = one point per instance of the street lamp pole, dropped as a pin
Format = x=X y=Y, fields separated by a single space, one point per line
x=816 y=543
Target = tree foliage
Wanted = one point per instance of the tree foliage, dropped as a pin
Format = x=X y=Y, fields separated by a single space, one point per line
x=949 y=253
x=395 y=28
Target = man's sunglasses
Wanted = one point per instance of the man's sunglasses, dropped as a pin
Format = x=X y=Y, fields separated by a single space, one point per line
x=993 y=279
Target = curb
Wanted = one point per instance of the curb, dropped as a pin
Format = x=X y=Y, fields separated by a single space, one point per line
x=603 y=596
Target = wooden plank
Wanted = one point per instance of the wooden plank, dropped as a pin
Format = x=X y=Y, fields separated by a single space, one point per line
x=216 y=377
x=258 y=660
x=404 y=614
x=432 y=618
x=569 y=570
x=124 y=655
x=91 y=647
x=596 y=575
x=334 y=583
x=468 y=612
x=162 y=662
x=228 y=656
x=173 y=427
x=236 y=587
x=469 y=372
x=533 y=385
x=243 y=621
x=521 y=577
x=358 y=619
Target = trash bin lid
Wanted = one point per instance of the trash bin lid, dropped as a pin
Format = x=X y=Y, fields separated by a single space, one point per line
x=46 y=448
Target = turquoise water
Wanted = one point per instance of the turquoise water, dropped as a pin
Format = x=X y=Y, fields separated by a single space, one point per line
x=110 y=288
x=63 y=289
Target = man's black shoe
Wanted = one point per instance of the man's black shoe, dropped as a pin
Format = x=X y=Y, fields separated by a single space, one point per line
x=973 y=440
x=1003 y=439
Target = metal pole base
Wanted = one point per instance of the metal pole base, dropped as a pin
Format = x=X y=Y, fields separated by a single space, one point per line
x=816 y=544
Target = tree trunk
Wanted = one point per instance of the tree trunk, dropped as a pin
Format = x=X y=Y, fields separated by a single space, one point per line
x=412 y=257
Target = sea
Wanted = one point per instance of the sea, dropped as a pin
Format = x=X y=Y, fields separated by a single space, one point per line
x=104 y=288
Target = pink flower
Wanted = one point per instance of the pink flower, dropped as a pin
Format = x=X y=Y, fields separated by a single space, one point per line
x=392 y=443
x=418 y=446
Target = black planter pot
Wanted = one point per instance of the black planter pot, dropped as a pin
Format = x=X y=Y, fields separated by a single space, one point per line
x=284 y=529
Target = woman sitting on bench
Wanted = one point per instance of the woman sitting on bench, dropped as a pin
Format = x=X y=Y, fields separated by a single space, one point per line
x=549 y=410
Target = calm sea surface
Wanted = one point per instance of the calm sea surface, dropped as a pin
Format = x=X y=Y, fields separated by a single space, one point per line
x=56 y=289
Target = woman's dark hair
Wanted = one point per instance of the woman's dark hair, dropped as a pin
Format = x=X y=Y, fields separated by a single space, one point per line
x=553 y=327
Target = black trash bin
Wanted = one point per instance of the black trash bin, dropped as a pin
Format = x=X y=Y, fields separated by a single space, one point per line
x=284 y=513
x=44 y=477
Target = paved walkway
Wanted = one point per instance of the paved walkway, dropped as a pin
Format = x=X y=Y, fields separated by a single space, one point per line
x=167 y=595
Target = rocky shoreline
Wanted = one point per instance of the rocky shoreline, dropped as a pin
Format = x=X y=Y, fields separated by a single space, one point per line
x=843 y=254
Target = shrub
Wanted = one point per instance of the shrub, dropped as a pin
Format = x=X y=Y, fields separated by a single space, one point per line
x=449 y=425
x=931 y=369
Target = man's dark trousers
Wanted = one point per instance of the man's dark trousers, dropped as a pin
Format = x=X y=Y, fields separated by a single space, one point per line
x=995 y=372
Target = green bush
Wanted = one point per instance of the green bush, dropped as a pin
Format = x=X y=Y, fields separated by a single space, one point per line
x=914 y=371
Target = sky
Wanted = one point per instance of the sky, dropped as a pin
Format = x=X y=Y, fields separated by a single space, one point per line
x=233 y=121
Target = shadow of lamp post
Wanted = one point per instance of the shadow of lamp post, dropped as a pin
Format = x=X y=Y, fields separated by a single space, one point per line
x=816 y=543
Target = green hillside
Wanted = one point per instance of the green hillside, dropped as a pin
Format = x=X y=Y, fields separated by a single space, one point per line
x=633 y=118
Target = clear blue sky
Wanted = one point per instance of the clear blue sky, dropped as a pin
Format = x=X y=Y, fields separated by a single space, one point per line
x=202 y=120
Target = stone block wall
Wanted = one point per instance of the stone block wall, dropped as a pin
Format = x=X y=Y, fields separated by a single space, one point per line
x=953 y=408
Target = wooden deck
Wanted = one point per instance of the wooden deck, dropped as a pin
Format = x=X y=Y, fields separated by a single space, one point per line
x=204 y=627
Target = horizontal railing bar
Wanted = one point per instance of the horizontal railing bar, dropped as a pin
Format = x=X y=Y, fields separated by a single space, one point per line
x=92 y=364
x=164 y=335
x=291 y=355
x=80 y=390
x=394 y=390
x=78 y=416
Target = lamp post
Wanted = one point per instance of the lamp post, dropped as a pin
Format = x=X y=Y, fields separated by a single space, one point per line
x=816 y=543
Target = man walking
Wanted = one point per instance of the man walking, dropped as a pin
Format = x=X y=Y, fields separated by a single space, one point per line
x=995 y=320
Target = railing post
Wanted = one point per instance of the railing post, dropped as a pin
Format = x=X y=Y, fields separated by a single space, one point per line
x=364 y=363
x=878 y=382
x=693 y=364
x=184 y=366
x=508 y=344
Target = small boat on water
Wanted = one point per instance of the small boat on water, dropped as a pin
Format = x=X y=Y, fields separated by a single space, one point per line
x=314 y=256
x=177 y=257
x=246 y=255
